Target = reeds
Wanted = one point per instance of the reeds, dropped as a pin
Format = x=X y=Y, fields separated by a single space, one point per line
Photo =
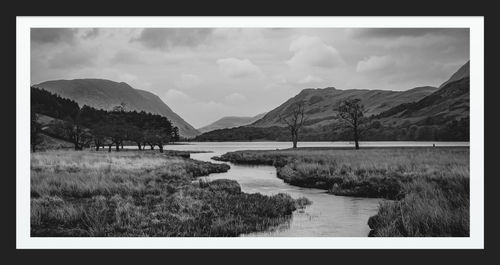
x=143 y=194
x=428 y=188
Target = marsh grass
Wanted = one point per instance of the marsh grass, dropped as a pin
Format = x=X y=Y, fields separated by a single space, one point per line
x=428 y=187
x=90 y=193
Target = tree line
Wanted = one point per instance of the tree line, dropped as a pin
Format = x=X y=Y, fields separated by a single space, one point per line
x=351 y=124
x=97 y=128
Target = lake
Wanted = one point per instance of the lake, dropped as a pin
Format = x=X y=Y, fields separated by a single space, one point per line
x=328 y=216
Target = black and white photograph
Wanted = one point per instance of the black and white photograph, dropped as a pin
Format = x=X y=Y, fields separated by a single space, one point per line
x=251 y=131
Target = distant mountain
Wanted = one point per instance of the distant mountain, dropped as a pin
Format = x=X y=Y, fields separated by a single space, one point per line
x=230 y=122
x=105 y=94
x=464 y=71
x=321 y=103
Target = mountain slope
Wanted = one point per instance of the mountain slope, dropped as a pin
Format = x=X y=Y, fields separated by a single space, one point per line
x=449 y=103
x=105 y=94
x=230 y=122
x=419 y=114
x=464 y=71
x=321 y=103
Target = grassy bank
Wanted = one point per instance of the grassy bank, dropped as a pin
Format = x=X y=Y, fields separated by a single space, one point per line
x=428 y=187
x=141 y=193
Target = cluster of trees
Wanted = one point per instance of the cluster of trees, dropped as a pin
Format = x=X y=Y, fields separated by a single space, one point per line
x=87 y=126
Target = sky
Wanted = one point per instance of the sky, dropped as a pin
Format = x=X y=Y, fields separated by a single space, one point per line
x=204 y=74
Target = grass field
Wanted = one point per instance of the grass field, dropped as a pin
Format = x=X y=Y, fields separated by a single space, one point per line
x=143 y=193
x=428 y=188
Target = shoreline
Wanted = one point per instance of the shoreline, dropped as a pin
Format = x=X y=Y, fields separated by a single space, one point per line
x=303 y=168
x=89 y=193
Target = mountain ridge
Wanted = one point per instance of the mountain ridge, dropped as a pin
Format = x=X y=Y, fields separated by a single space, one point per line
x=418 y=114
x=463 y=71
x=321 y=102
x=105 y=94
x=230 y=122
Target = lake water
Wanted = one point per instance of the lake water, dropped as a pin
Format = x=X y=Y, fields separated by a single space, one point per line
x=328 y=216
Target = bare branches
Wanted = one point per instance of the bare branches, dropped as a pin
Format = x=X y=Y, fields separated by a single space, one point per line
x=351 y=111
x=296 y=120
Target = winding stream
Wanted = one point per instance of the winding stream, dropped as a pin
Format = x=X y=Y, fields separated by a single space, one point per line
x=328 y=216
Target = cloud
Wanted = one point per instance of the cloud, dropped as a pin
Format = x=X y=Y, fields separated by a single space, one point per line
x=235 y=98
x=91 y=33
x=238 y=68
x=53 y=35
x=404 y=32
x=375 y=63
x=71 y=58
x=310 y=79
x=127 y=78
x=312 y=51
x=420 y=38
x=167 y=38
x=188 y=81
x=126 y=57
x=174 y=95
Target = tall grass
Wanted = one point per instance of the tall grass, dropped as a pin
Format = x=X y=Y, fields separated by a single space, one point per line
x=142 y=194
x=429 y=187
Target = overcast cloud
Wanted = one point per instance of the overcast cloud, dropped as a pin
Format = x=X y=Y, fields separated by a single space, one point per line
x=205 y=74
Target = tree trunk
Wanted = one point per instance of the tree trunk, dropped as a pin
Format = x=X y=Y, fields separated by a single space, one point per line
x=139 y=146
x=117 y=146
x=109 y=148
x=295 y=138
x=356 y=138
x=121 y=143
x=97 y=147
x=161 y=148
x=152 y=147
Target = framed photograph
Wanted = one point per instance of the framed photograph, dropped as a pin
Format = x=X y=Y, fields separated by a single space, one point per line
x=250 y=133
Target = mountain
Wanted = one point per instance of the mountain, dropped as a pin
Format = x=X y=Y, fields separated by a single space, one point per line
x=418 y=114
x=230 y=122
x=450 y=102
x=321 y=103
x=106 y=94
x=461 y=73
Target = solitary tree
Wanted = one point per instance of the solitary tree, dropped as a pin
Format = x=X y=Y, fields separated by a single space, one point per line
x=295 y=120
x=351 y=111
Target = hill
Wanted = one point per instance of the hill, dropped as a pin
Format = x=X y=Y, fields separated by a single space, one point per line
x=447 y=104
x=419 y=114
x=230 y=122
x=321 y=104
x=106 y=94
x=464 y=71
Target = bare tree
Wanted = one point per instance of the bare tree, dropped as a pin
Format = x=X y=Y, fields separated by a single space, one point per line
x=295 y=120
x=351 y=111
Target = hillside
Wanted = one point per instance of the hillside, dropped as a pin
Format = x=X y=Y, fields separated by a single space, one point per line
x=321 y=103
x=105 y=94
x=230 y=122
x=419 y=114
x=464 y=71
x=447 y=104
